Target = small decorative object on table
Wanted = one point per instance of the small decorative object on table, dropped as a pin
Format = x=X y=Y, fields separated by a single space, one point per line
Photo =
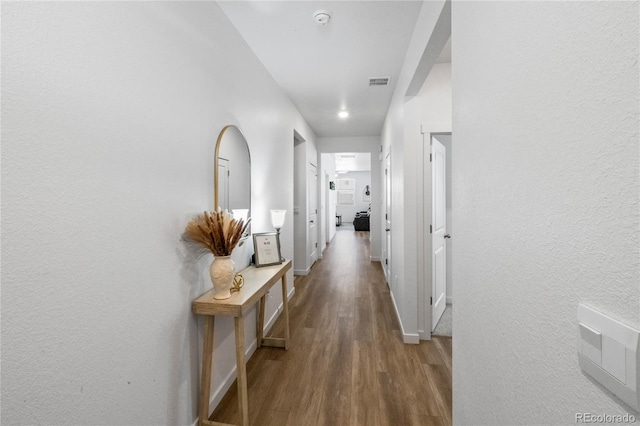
x=267 y=249
x=238 y=282
x=220 y=234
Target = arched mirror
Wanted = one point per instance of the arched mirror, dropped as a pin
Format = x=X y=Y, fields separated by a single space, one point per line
x=232 y=173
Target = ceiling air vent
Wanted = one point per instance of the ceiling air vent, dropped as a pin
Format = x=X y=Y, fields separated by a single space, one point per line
x=379 y=81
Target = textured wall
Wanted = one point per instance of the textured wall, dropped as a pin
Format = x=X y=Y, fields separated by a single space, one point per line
x=545 y=201
x=110 y=113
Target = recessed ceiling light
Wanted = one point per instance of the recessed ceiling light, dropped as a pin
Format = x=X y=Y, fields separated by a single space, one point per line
x=343 y=114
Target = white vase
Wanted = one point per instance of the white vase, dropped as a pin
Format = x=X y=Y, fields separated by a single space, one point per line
x=222 y=271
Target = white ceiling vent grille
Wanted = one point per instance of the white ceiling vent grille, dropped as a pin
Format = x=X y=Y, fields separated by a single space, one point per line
x=379 y=81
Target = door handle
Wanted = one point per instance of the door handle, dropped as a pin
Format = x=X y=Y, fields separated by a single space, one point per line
x=387 y=229
x=447 y=236
x=311 y=221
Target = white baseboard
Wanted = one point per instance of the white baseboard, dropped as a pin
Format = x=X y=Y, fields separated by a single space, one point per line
x=449 y=300
x=276 y=314
x=409 y=338
x=301 y=271
x=374 y=258
x=219 y=393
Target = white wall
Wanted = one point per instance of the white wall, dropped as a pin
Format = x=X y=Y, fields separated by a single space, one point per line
x=361 y=179
x=370 y=144
x=402 y=136
x=110 y=114
x=545 y=202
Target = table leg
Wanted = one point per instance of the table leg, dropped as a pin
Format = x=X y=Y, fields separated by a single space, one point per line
x=243 y=401
x=205 y=380
x=263 y=305
x=285 y=309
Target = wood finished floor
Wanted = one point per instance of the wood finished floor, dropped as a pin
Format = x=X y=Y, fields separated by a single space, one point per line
x=346 y=364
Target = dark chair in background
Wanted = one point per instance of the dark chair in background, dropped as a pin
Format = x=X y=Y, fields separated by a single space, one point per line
x=361 y=221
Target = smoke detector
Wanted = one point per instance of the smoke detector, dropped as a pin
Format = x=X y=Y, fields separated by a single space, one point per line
x=322 y=17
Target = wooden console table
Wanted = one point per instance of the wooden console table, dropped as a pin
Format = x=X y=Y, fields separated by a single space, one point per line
x=257 y=281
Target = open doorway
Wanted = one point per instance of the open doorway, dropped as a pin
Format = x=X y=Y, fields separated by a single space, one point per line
x=386 y=245
x=300 y=238
x=305 y=205
x=441 y=253
x=347 y=193
x=353 y=191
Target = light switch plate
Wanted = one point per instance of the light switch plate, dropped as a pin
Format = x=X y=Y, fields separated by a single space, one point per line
x=614 y=358
x=608 y=351
x=591 y=343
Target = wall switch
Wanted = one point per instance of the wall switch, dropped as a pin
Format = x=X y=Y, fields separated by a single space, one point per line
x=608 y=351
x=591 y=343
x=614 y=358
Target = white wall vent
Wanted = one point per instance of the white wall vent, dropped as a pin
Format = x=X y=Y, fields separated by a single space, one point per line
x=379 y=81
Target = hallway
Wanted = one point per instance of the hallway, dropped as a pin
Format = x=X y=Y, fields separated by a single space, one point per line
x=346 y=364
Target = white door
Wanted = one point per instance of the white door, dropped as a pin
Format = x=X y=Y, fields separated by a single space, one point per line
x=387 y=219
x=438 y=228
x=313 y=213
x=223 y=184
x=329 y=216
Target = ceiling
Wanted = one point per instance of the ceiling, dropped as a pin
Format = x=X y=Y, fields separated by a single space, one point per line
x=353 y=161
x=324 y=69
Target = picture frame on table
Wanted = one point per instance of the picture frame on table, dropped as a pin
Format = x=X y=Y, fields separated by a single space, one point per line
x=266 y=246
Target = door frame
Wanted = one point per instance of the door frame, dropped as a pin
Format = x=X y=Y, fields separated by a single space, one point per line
x=386 y=199
x=327 y=212
x=363 y=145
x=312 y=216
x=428 y=130
x=438 y=235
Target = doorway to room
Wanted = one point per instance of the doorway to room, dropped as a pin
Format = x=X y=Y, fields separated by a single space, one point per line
x=386 y=248
x=441 y=224
x=346 y=194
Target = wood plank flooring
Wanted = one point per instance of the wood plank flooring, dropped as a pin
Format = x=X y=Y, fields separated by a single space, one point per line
x=346 y=364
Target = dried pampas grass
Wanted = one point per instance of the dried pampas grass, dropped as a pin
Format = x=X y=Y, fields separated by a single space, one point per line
x=217 y=231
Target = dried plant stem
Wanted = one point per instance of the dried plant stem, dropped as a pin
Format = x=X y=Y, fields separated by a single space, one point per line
x=217 y=231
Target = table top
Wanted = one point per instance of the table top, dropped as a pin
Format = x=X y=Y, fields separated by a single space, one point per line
x=256 y=283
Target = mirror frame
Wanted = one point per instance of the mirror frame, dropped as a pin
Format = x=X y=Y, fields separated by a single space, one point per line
x=216 y=163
